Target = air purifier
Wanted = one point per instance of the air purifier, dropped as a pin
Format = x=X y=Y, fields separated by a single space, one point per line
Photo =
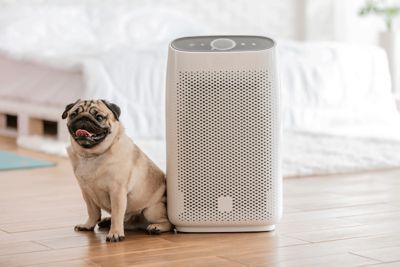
x=223 y=134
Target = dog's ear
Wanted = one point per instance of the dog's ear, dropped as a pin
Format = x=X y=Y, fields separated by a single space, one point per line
x=68 y=108
x=113 y=107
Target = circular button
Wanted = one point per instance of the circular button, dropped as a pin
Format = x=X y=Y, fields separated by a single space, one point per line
x=222 y=44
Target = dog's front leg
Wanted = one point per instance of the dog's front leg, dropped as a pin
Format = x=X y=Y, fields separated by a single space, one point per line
x=118 y=208
x=94 y=215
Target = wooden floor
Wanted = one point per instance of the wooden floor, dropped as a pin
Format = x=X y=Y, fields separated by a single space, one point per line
x=348 y=220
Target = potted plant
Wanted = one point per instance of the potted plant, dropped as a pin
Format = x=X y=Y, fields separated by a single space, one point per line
x=389 y=10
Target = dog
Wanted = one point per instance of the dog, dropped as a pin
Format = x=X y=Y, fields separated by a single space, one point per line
x=113 y=173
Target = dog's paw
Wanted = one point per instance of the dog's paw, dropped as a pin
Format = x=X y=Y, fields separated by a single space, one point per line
x=83 y=227
x=153 y=229
x=105 y=222
x=115 y=236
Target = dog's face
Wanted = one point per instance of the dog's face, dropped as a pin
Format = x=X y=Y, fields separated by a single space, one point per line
x=92 y=124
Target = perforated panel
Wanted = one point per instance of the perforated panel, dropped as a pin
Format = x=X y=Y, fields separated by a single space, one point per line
x=225 y=149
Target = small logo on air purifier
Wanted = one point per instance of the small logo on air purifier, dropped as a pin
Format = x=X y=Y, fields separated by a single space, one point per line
x=225 y=203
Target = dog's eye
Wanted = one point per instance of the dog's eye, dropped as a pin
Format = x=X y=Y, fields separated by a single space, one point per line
x=73 y=114
x=99 y=118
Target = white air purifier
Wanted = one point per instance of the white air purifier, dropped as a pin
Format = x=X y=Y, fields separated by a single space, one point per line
x=223 y=134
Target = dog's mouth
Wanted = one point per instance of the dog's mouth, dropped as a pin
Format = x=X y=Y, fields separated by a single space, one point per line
x=87 y=133
x=84 y=134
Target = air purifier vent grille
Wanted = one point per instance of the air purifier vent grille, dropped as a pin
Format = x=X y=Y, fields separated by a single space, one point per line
x=225 y=150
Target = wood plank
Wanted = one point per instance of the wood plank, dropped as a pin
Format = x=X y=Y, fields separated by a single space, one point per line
x=388 y=264
x=83 y=240
x=346 y=232
x=74 y=263
x=198 y=262
x=387 y=254
x=103 y=249
x=339 y=213
x=345 y=259
x=203 y=246
x=173 y=254
x=271 y=239
x=363 y=243
x=42 y=223
x=38 y=235
x=268 y=256
x=21 y=247
x=380 y=217
x=314 y=225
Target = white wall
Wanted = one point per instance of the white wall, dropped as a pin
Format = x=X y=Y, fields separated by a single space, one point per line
x=268 y=17
x=338 y=20
x=333 y=20
x=281 y=19
x=350 y=27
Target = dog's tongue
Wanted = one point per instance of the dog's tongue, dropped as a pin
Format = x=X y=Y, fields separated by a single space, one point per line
x=81 y=132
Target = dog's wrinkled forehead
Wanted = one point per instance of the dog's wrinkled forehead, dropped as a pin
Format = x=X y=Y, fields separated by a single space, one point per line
x=92 y=107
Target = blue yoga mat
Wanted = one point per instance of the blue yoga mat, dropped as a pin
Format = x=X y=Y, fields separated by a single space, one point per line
x=11 y=161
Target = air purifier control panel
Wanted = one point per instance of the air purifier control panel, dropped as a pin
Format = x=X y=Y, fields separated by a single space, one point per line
x=222 y=43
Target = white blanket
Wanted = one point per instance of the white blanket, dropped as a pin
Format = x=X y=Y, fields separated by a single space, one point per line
x=337 y=89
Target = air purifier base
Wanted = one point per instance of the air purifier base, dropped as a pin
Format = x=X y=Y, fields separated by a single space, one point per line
x=223 y=229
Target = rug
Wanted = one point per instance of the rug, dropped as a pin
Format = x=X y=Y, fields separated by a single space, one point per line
x=311 y=154
x=11 y=161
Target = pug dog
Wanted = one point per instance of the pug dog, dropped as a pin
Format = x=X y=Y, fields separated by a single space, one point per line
x=113 y=173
